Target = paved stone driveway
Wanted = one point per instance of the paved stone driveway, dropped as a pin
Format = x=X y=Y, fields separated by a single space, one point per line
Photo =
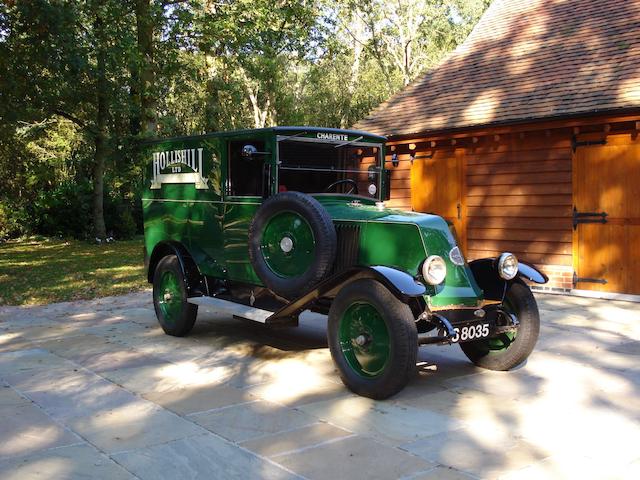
x=95 y=390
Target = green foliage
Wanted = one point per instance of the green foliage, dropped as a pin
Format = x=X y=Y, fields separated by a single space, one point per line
x=64 y=211
x=72 y=80
x=120 y=217
x=15 y=221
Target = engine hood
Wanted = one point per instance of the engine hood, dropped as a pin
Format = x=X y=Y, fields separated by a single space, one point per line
x=403 y=240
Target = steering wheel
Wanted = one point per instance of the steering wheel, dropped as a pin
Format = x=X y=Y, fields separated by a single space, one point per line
x=354 y=186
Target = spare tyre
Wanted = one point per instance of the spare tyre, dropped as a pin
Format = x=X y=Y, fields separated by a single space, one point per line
x=292 y=243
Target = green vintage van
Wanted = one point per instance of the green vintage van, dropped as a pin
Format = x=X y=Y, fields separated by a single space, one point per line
x=265 y=224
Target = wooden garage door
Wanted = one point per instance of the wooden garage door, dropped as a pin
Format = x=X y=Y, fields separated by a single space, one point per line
x=436 y=186
x=607 y=180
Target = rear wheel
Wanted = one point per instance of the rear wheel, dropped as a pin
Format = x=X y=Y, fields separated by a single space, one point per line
x=175 y=315
x=373 y=339
x=509 y=349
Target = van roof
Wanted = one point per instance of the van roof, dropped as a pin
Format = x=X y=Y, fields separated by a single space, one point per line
x=274 y=130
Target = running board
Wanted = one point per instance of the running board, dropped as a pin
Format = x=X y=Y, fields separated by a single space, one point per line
x=236 y=309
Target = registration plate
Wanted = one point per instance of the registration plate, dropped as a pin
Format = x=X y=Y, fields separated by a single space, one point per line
x=471 y=332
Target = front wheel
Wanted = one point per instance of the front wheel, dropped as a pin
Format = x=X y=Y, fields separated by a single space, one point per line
x=509 y=349
x=373 y=339
x=175 y=315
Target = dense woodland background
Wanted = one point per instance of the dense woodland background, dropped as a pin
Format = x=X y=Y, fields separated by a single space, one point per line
x=83 y=82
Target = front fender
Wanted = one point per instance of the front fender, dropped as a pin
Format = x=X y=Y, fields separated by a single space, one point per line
x=405 y=285
x=531 y=273
x=494 y=287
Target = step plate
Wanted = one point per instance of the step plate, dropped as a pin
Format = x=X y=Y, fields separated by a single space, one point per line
x=217 y=305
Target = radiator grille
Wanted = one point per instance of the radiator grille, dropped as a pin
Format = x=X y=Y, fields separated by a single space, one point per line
x=348 y=246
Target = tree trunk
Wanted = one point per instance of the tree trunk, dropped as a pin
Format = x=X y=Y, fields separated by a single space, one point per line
x=100 y=155
x=260 y=114
x=357 y=48
x=148 y=103
x=135 y=122
x=100 y=137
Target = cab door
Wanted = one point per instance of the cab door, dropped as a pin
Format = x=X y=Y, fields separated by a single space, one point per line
x=246 y=184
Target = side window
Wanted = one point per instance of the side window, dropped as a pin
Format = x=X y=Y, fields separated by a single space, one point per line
x=245 y=174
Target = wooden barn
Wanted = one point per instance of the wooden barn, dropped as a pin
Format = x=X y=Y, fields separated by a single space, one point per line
x=526 y=138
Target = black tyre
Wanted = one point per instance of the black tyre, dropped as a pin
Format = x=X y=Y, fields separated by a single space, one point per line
x=508 y=350
x=175 y=315
x=292 y=243
x=373 y=339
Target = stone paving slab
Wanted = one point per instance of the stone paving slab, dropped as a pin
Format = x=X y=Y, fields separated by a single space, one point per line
x=574 y=466
x=391 y=423
x=28 y=361
x=80 y=344
x=79 y=396
x=168 y=376
x=76 y=462
x=294 y=390
x=27 y=429
x=353 y=458
x=442 y=473
x=185 y=401
x=115 y=360
x=481 y=453
x=295 y=439
x=203 y=457
x=10 y=398
x=94 y=389
x=131 y=426
x=250 y=420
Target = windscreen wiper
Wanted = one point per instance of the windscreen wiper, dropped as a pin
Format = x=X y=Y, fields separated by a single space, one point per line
x=349 y=142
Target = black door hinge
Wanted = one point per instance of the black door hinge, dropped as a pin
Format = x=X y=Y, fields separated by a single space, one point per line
x=577 y=279
x=575 y=143
x=588 y=217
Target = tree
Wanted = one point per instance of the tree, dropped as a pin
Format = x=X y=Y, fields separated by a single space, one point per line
x=406 y=37
x=85 y=81
x=69 y=59
x=145 y=71
x=253 y=43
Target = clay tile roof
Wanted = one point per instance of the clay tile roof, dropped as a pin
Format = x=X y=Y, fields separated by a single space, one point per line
x=525 y=60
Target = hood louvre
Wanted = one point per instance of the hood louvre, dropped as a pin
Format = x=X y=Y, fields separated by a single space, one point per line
x=348 y=249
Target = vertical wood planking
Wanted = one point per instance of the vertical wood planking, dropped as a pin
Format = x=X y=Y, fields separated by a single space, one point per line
x=516 y=188
x=607 y=180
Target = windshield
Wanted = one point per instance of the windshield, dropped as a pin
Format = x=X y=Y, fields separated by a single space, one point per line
x=319 y=167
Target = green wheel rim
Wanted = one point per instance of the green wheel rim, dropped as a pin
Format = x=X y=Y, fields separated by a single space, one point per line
x=288 y=244
x=364 y=339
x=169 y=297
x=504 y=340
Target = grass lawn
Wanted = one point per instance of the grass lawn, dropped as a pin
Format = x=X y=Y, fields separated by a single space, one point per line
x=37 y=271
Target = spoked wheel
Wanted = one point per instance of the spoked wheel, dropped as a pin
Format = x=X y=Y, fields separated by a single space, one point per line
x=175 y=315
x=373 y=339
x=364 y=339
x=507 y=350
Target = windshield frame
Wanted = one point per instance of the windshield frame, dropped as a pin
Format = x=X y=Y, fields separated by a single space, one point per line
x=338 y=143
